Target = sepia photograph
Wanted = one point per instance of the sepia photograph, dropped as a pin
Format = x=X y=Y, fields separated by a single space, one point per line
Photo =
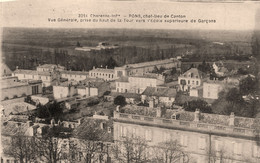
x=130 y=81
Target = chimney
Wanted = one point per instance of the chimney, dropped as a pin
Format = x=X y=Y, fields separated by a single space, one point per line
x=102 y=124
x=106 y=67
x=232 y=119
x=151 y=103
x=118 y=108
x=52 y=122
x=159 y=112
x=29 y=123
x=59 y=122
x=79 y=121
x=88 y=88
x=94 y=67
x=197 y=115
x=17 y=67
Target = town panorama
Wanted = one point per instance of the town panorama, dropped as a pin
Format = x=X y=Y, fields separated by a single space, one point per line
x=129 y=95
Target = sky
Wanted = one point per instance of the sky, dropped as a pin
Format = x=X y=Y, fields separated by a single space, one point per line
x=35 y=13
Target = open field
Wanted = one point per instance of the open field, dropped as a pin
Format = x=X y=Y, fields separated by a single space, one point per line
x=39 y=46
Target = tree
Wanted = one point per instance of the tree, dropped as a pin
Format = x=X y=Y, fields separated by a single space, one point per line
x=120 y=100
x=78 y=44
x=248 y=85
x=50 y=146
x=155 y=69
x=111 y=63
x=130 y=149
x=233 y=96
x=42 y=111
x=168 y=152
x=90 y=137
x=173 y=71
x=22 y=148
x=197 y=104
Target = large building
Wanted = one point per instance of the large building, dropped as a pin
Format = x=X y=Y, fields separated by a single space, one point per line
x=202 y=137
x=50 y=68
x=11 y=88
x=83 y=88
x=48 y=73
x=102 y=73
x=138 y=83
x=74 y=75
x=5 y=70
x=159 y=95
x=192 y=78
x=145 y=67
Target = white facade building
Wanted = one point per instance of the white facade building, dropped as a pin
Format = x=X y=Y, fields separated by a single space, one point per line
x=192 y=78
x=102 y=73
x=138 y=83
x=145 y=67
x=74 y=75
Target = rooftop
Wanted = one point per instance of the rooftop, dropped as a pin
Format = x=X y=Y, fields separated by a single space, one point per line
x=102 y=70
x=126 y=95
x=160 y=92
x=122 y=79
x=9 y=84
x=17 y=107
x=151 y=63
x=194 y=73
x=148 y=75
x=243 y=122
x=75 y=72
x=50 y=66
x=32 y=72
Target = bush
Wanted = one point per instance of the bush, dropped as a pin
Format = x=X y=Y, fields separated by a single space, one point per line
x=120 y=100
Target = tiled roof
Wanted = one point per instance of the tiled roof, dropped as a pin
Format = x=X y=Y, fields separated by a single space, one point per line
x=123 y=79
x=160 y=92
x=152 y=63
x=244 y=122
x=196 y=73
x=13 y=128
x=17 y=107
x=93 y=125
x=148 y=75
x=75 y=72
x=32 y=72
x=50 y=66
x=102 y=70
x=126 y=95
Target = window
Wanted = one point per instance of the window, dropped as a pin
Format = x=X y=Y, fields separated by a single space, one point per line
x=111 y=76
x=117 y=89
x=148 y=135
x=217 y=145
x=184 y=140
x=134 y=133
x=202 y=143
x=256 y=151
x=170 y=98
x=108 y=75
x=197 y=82
x=166 y=136
x=193 y=82
x=35 y=89
x=125 y=90
x=188 y=81
x=237 y=148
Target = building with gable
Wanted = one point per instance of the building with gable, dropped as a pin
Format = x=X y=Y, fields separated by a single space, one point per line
x=192 y=78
